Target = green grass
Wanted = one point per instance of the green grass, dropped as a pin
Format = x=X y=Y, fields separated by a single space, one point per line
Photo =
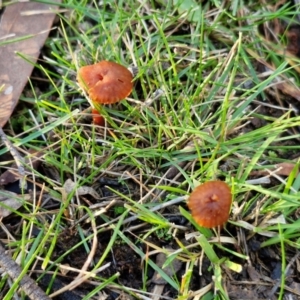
x=203 y=61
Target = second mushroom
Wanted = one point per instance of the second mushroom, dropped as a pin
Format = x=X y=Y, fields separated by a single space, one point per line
x=210 y=203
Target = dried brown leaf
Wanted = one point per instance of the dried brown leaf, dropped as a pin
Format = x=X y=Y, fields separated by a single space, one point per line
x=31 y=30
x=12 y=175
x=253 y=274
x=170 y=270
x=70 y=186
x=283 y=169
x=289 y=89
x=11 y=201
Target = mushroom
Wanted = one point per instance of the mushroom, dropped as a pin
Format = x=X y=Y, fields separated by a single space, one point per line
x=106 y=82
x=210 y=203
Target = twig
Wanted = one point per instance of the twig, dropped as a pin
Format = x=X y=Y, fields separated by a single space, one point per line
x=28 y=285
x=80 y=280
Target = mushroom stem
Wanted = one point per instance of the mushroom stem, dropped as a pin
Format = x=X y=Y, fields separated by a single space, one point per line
x=97 y=118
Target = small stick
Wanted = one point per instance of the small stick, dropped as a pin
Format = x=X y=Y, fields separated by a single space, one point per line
x=28 y=285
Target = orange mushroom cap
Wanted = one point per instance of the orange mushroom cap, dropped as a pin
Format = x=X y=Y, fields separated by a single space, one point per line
x=210 y=203
x=106 y=82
